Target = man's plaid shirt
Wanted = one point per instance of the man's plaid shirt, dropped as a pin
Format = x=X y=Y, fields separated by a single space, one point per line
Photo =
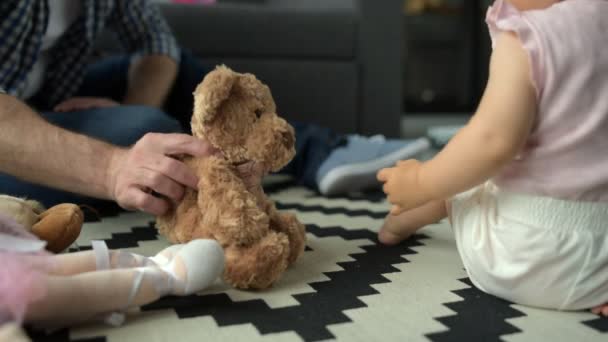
x=138 y=25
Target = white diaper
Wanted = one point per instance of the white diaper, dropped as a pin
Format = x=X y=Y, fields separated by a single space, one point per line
x=535 y=251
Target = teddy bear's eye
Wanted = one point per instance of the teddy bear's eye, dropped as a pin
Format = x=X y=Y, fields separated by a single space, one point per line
x=258 y=113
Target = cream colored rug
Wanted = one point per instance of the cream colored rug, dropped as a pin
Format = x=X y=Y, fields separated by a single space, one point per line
x=345 y=287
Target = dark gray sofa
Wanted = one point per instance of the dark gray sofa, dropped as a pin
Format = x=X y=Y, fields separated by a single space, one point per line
x=332 y=62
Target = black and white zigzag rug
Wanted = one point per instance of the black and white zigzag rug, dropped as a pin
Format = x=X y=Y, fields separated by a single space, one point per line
x=345 y=287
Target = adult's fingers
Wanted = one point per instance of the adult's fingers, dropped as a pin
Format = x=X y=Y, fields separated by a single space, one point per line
x=136 y=199
x=175 y=170
x=161 y=184
x=177 y=143
x=396 y=210
x=385 y=189
x=383 y=174
x=404 y=162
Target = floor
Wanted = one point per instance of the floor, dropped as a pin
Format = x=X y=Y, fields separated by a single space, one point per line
x=345 y=287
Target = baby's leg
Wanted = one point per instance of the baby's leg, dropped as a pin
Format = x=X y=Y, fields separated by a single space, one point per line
x=397 y=228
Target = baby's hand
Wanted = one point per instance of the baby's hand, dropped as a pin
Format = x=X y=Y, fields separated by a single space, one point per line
x=402 y=187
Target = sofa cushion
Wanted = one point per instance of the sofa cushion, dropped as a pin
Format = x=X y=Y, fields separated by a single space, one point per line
x=318 y=92
x=272 y=28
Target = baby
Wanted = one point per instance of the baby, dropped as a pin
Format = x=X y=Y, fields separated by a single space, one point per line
x=525 y=182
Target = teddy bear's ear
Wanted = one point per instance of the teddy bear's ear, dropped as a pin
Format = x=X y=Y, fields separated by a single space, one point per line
x=211 y=93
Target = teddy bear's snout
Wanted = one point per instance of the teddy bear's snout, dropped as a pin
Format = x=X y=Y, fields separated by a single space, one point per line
x=287 y=139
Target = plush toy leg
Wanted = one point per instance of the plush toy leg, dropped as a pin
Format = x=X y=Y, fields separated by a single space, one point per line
x=258 y=266
x=102 y=258
x=81 y=297
x=192 y=268
x=59 y=226
x=289 y=224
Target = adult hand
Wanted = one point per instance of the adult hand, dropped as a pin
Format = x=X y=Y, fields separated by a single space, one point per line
x=402 y=186
x=146 y=177
x=82 y=103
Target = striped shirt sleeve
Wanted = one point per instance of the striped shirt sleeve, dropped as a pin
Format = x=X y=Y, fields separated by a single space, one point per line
x=142 y=29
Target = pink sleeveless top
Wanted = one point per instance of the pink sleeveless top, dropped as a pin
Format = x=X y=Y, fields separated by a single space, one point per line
x=566 y=155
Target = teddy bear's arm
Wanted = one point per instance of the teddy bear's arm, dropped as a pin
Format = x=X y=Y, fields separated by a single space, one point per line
x=288 y=224
x=227 y=207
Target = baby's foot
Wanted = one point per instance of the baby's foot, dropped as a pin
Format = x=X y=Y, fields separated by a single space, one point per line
x=193 y=267
x=601 y=310
x=396 y=229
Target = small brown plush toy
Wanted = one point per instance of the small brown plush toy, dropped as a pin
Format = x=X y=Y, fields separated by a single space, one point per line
x=237 y=115
x=59 y=226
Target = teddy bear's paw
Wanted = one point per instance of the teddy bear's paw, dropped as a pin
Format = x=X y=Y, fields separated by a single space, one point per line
x=59 y=226
x=257 y=266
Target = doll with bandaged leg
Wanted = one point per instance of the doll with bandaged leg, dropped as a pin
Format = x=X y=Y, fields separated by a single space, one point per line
x=34 y=284
x=525 y=182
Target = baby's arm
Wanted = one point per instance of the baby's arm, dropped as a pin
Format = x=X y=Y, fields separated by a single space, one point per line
x=497 y=131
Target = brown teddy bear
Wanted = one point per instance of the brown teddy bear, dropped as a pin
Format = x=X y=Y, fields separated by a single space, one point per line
x=59 y=226
x=237 y=115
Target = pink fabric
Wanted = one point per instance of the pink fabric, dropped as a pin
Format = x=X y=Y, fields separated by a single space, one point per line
x=565 y=156
x=10 y=227
x=22 y=275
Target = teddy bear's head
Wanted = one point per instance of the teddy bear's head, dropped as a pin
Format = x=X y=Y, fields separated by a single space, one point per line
x=237 y=115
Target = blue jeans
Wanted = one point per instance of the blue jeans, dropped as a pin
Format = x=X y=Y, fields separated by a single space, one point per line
x=124 y=125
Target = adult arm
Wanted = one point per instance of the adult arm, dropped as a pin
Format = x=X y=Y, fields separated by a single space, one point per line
x=150 y=80
x=36 y=151
x=145 y=34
